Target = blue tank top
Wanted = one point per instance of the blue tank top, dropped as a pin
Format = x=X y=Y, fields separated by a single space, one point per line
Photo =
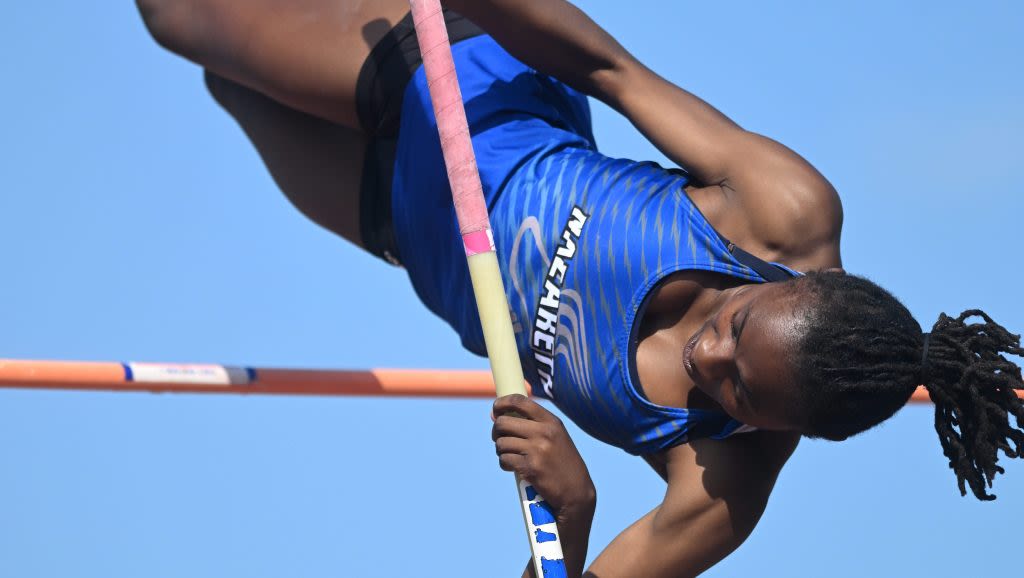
x=582 y=239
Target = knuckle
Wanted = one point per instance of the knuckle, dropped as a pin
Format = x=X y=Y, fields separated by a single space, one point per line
x=544 y=447
x=549 y=432
x=553 y=420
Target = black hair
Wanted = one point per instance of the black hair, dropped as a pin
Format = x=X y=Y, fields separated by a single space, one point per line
x=860 y=359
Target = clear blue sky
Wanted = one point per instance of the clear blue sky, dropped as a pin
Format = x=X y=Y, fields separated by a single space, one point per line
x=137 y=223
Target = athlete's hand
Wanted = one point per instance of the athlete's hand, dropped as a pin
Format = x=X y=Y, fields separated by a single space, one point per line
x=532 y=442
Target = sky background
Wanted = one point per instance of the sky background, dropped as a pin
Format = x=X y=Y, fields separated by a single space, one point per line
x=137 y=223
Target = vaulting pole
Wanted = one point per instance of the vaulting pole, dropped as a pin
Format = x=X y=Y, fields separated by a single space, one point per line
x=475 y=226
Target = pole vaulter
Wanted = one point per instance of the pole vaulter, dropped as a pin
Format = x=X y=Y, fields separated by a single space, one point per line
x=695 y=315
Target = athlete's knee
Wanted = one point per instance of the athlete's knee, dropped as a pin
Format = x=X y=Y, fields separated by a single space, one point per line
x=241 y=102
x=219 y=87
x=168 y=22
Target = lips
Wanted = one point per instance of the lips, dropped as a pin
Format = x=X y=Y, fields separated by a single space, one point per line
x=688 y=364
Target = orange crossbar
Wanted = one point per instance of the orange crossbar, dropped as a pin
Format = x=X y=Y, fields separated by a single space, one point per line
x=202 y=378
x=207 y=378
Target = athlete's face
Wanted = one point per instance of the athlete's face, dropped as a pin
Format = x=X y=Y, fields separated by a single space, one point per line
x=740 y=356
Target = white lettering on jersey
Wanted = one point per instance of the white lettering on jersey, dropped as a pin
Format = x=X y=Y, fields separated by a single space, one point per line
x=545 y=324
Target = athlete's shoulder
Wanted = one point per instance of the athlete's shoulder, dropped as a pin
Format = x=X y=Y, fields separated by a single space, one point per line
x=795 y=220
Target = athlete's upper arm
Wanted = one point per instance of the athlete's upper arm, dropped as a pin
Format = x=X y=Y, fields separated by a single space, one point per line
x=717 y=492
x=710 y=146
x=684 y=127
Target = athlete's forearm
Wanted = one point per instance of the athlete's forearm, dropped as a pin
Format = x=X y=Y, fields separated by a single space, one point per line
x=552 y=36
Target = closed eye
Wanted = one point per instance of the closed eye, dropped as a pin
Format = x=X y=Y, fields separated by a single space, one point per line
x=740 y=391
x=734 y=329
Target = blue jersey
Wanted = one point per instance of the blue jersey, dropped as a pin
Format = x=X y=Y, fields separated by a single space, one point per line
x=582 y=239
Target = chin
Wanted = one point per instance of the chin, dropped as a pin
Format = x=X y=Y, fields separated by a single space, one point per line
x=740 y=417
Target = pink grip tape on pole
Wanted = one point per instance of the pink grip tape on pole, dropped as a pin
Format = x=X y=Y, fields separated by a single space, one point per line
x=467 y=190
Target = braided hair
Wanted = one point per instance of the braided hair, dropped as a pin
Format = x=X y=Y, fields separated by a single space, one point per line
x=861 y=358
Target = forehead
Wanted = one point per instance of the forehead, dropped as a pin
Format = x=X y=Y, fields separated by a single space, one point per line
x=773 y=310
x=769 y=336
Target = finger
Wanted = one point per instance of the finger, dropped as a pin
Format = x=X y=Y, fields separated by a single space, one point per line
x=522 y=405
x=514 y=463
x=511 y=445
x=514 y=426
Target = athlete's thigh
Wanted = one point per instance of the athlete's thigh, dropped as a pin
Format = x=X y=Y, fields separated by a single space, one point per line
x=316 y=163
x=306 y=54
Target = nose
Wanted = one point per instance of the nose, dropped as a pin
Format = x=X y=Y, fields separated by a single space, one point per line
x=713 y=357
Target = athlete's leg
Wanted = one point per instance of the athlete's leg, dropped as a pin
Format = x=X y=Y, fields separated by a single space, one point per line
x=306 y=54
x=316 y=163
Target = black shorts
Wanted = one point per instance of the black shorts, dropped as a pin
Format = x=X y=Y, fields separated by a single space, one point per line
x=379 y=93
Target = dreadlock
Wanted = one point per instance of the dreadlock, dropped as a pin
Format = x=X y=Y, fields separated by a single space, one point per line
x=860 y=360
